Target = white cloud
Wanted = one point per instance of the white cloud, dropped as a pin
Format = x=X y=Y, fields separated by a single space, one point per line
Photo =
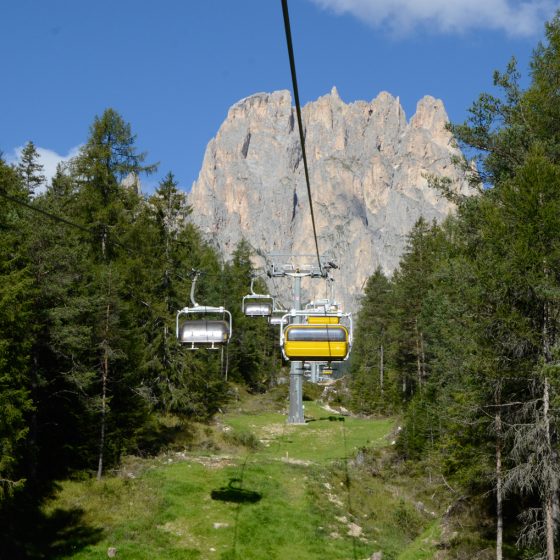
x=514 y=17
x=49 y=159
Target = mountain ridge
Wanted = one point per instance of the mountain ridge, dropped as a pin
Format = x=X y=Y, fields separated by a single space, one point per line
x=368 y=167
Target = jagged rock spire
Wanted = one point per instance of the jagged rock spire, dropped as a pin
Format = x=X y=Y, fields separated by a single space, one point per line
x=368 y=168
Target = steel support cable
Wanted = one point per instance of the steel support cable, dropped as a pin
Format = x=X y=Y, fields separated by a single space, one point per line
x=89 y=231
x=62 y=220
x=80 y=227
x=239 y=504
x=85 y=229
x=300 y=122
x=347 y=483
x=44 y=212
x=75 y=225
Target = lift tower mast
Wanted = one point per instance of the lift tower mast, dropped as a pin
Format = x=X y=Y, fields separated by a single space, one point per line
x=297 y=272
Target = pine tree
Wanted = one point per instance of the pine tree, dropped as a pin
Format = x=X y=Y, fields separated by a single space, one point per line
x=110 y=208
x=173 y=374
x=522 y=235
x=412 y=283
x=254 y=358
x=16 y=335
x=30 y=170
x=502 y=128
x=372 y=389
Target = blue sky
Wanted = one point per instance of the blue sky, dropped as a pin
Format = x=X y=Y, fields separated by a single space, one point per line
x=173 y=68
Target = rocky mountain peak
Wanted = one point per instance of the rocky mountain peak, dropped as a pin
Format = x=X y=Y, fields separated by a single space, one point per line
x=334 y=93
x=368 y=167
x=431 y=116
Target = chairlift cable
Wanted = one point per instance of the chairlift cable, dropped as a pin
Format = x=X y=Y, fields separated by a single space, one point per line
x=300 y=122
x=239 y=480
x=75 y=225
x=347 y=483
x=60 y=219
x=89 y=231
x=44 y=212
x=110 y=239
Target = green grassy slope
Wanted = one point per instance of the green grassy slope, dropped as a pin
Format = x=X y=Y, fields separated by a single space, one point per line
x=267 y=491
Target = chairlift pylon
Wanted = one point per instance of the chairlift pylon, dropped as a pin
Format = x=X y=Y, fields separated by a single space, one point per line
x=203 y=333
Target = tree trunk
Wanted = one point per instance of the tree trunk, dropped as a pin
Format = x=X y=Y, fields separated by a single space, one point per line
x=418 y=354
x=104 y=365
x=499 y=481
x=549 y=485
x=104 y=243
x=381 y=369
x=104 y=377
x=422 y=357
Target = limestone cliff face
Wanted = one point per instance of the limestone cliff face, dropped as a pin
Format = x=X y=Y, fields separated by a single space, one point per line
x=367 y=168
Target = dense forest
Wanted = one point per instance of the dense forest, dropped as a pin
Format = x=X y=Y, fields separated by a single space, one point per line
x=464 y=337
x=463 y=341
x=92 y=276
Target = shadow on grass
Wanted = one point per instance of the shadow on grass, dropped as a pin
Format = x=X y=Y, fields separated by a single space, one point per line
x=331 y=418
x=28 y=534
x=235 y=494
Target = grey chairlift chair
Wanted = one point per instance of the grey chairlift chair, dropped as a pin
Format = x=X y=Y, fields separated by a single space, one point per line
x=257 y=305
x=210 y=333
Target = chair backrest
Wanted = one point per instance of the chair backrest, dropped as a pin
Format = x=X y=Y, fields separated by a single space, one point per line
x=205 y=332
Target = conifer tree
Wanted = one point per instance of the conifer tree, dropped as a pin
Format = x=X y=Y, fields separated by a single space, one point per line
x=253 y=357
x=16 y=335
x=372 y=389
x=179 y=381
x=110 y=208
x=522 y=289
x=30 y=170
x=412 y=282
